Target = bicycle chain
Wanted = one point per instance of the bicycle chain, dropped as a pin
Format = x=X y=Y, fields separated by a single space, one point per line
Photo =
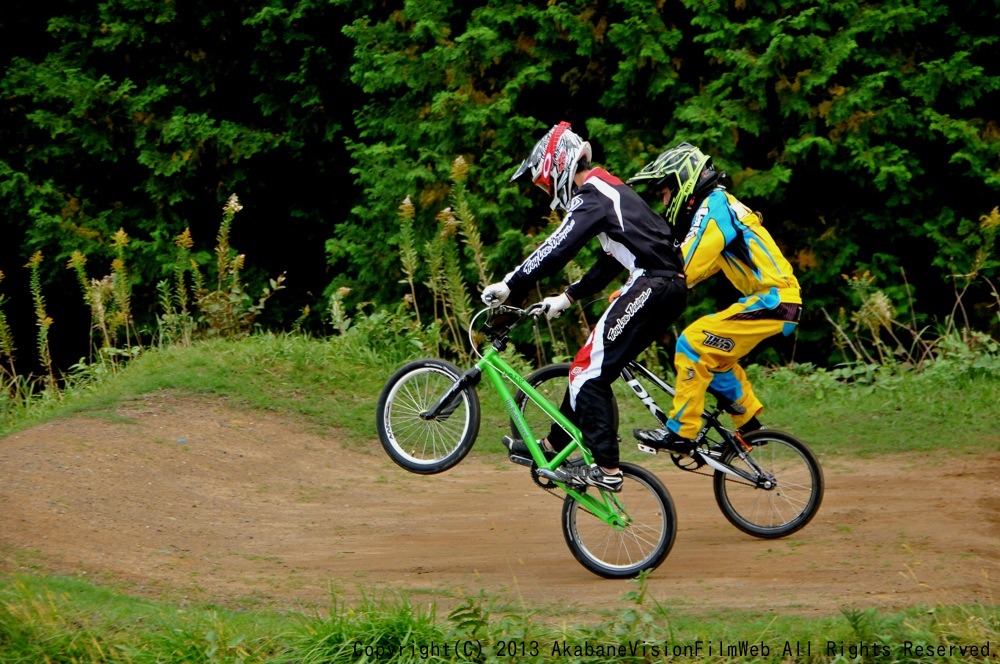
x=699 y=472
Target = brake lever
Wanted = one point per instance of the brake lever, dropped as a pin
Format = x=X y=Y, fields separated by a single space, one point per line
x=537 y=310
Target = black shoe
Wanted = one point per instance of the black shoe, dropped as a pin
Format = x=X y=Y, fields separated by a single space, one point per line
x=652 y=441
x=593 y=475
x=753 y=425
x=518 y=448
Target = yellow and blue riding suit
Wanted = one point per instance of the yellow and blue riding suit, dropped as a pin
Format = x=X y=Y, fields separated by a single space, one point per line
x=727 y=236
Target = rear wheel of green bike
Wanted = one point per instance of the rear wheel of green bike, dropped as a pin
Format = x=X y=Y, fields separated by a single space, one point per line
x=645 y=541
x=786 y=507
x=419 y=445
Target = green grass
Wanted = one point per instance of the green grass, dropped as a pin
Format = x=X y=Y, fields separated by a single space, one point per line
x=948 y=407
x=57 y=619
x=335 y=384
x=913 y=413
x=283 y=373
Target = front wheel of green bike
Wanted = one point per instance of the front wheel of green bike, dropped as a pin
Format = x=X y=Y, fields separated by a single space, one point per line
x=782 y=508
x=421 y=445
x=642 y=544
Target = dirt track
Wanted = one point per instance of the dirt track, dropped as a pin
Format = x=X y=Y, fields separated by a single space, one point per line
x=189 y=499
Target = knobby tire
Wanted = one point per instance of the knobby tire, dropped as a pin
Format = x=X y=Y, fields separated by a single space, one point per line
x=784 y=509
x=642 y=545
x=426 y=446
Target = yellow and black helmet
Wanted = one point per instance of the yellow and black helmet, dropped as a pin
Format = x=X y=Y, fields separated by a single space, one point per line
x=686 y=171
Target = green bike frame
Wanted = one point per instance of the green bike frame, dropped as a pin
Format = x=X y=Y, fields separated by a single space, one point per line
x=609 y=509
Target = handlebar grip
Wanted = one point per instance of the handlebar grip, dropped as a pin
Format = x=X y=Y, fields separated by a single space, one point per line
x=537 y=309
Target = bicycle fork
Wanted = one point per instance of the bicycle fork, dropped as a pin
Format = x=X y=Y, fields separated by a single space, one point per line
x=447 y=404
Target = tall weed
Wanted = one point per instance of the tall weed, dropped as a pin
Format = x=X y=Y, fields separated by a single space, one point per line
x=376 y=336
x=109 y=301
x=227 y=310
x=8 y=372
x=453 y=267
x=21 y=394
x=42 y=320
x=875 y=335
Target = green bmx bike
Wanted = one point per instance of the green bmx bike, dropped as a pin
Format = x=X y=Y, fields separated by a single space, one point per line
x=428 y=420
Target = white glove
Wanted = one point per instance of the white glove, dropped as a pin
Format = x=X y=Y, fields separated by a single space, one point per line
x=556 y=305
x=496 y=294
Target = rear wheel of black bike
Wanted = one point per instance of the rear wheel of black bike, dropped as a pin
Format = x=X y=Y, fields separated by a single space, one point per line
x=551 y=380
x=786 y=507
x=419 y=445
x=642 y=544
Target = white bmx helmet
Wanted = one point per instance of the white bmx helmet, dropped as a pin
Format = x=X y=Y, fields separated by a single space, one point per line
x=553 y=163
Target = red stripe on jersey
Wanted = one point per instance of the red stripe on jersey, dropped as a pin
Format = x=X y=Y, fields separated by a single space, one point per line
x=602 y=174
x=582 y=360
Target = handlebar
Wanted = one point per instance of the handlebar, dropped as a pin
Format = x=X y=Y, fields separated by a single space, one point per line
x=498 y=335
x=532 y=310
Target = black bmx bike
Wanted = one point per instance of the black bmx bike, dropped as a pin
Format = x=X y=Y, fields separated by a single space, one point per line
x=767 y=483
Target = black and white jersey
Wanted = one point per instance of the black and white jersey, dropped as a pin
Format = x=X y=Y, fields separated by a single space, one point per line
x=631 y=234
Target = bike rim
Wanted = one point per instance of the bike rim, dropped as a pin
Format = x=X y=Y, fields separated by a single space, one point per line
x=779 y=507
x=634 y=545
x=424 y=441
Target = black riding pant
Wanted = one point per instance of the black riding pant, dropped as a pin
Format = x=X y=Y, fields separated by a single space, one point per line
x=643 y=312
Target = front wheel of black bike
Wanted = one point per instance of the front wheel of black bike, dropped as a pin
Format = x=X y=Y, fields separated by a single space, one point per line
x=651 y=524
x=420 y=445
x=785 y=507
x=551 y=381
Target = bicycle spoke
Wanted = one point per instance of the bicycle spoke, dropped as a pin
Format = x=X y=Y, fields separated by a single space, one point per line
x=424 y=439
x=641 y=543
x=418 y=444
x=782 y=509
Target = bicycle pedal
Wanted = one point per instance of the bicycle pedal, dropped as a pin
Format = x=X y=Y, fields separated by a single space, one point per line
x=520 y=460
x=550 y=475
x=646 y=448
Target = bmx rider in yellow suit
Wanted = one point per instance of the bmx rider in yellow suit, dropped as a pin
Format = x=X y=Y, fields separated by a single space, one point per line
x=727 y=236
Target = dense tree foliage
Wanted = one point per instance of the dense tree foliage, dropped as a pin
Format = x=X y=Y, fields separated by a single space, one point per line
x=862 y=130
x=147 y=115
x=865 y=131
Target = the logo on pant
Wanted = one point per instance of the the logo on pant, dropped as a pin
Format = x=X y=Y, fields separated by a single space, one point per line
x=631 y=310
x=722 y=343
